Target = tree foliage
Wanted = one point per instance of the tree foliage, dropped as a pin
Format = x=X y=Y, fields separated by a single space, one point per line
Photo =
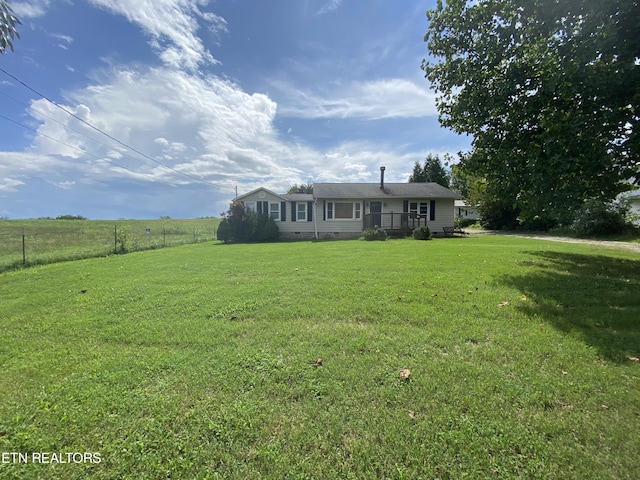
x=431 y=171
x=302 y=188
x=550 y=92
x=8 y=30
x=241 y=226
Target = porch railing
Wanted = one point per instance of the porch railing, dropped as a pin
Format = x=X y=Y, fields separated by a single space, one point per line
x=395 y=221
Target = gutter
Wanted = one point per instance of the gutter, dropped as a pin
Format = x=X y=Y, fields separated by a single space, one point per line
x=315 y=217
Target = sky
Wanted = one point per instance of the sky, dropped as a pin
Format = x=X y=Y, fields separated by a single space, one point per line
x=146 y=108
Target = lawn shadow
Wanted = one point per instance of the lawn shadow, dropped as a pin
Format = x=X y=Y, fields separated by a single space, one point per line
x=595 y=297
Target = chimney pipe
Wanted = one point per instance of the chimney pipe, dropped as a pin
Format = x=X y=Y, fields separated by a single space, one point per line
x=382 y=178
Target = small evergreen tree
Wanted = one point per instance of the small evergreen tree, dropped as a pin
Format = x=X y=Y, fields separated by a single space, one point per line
x=431 y=171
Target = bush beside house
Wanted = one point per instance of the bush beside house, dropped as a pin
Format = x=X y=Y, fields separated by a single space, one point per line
x=240 y=226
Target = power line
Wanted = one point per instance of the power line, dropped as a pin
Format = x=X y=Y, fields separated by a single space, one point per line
x=102 y=132
x=39 y=133
x=84 y=152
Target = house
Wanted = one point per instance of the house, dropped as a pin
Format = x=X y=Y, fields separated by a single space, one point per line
x=634 y=205
x=344 y=210
x=462 y=210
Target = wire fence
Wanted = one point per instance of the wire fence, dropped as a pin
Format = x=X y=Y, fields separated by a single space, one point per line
x=38 y=242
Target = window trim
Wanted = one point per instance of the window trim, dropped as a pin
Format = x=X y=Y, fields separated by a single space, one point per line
x=356 y=209
x=272 y=211
x=301 y=211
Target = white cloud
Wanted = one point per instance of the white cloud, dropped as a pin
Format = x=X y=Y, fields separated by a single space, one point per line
x=9 y=184
x=172 y=25
x=65 y=38
x=330 y=6
x=203 y=126
x=377 y=99
x=30 y=9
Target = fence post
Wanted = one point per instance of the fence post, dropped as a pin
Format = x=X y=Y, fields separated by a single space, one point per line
x=164 y=237
x=24 y=249
x=115 y=239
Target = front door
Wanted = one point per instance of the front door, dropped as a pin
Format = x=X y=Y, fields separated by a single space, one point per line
x=376 y=214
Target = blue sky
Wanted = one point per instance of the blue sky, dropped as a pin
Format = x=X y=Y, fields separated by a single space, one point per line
x=211 y=96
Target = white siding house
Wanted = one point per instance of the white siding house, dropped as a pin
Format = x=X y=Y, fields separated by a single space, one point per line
x=344 y=210
x=462 y=210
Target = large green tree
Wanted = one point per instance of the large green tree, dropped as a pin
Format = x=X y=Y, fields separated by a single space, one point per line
x=550 y=92
x=8 y=30
x=431 y=171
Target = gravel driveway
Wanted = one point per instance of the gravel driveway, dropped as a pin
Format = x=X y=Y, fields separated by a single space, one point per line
x=634 y=247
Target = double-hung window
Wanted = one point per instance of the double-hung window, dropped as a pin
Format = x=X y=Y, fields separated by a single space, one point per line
x=301 y=211
x=274 y=211
x=421 y=208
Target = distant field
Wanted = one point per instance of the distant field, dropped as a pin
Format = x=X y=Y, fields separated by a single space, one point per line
x=486 y=357
x=48 y=241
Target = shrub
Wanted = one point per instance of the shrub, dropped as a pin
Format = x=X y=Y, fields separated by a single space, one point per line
x=461 y=222
x=225 y=232
x=371 y=234
x=600 y=218
x=70 y=217
x=266 y=229
x=122 y=240
x=422 y=233
x=240 y=226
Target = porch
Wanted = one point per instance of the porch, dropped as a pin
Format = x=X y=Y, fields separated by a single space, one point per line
x=395 y=222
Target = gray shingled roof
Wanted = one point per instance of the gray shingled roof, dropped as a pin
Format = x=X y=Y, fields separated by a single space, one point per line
x=298 y=197
x=373 y=190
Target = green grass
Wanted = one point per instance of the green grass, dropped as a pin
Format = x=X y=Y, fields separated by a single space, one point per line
x=50 y=241
x=197 y=361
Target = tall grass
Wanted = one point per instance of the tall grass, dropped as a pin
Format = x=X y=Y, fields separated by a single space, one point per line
x=202 y=362
x=42 y=241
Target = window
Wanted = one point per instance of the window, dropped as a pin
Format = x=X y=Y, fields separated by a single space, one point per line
x=301 y=211
x=344 y=210
x=421 y=208
x=250 y=206
x=274 y=211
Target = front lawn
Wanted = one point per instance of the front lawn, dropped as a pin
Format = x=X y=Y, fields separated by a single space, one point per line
x=284 y=361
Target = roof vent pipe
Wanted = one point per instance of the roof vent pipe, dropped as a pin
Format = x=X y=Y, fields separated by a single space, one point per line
x=382 y=178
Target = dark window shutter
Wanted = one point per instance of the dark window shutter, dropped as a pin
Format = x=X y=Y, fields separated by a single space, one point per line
x=432 y=210
x=283 y=211
x=259 y=207
x=324 y=210
x=309 y=211
x=405 y=206
x=293 y=211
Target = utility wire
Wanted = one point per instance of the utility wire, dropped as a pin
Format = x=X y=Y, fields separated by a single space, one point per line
x=84 y=152
x=37 y=132
x=105 y=133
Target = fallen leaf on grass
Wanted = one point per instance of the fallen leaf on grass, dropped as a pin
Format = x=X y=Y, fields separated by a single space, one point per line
x=412 y=414
x=564 y=372
x=405 y=373
x=317 y=363
x=633 y=359
x=434 y=295
x=523 y=297
x=503 y=304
